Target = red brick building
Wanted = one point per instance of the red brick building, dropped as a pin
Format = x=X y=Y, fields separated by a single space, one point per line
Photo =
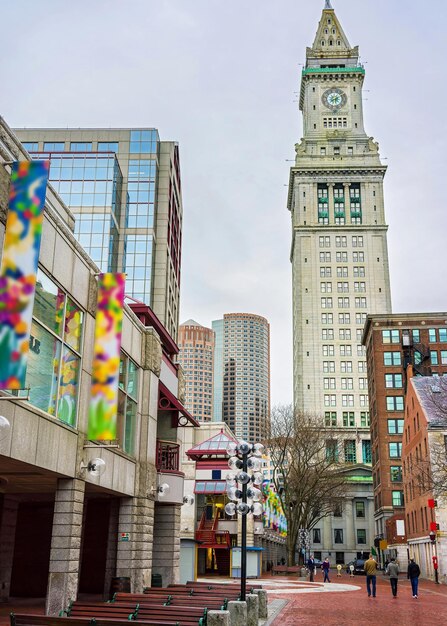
x=424 y=446
x=392 y=343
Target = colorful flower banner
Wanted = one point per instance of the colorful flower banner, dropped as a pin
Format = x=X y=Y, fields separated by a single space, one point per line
x=18 y=268
x=274 y=517
x=106 y=360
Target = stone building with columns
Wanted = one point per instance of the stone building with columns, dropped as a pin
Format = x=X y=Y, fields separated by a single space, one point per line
x=340 y=270
x=64 y=530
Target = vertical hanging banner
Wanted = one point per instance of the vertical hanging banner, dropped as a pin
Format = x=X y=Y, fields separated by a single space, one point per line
x=18 y=268
x=106 y=358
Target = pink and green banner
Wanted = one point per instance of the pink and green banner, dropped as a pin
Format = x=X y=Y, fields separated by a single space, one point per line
x=106 y=360
x=18 y=268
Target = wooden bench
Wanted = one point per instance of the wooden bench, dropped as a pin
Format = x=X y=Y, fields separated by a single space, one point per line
x=184 y=614
x=211 y=602
x=122 y=611
x=29 y=619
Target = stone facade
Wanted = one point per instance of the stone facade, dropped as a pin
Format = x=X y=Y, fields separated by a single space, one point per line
x=339 y=257
x=80 y=530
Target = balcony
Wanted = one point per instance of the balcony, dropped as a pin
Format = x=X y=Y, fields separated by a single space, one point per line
x=168 y=456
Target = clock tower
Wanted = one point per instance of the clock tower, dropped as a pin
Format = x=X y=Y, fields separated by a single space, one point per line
x=340 y=270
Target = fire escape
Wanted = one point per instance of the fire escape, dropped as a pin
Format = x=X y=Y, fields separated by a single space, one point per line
x=417 y=355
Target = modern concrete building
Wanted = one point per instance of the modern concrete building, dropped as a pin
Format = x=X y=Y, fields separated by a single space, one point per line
x=242 y=374
x=424 y=451
x=339 y=262
x=123 y=187
x=196 y=356
x=64 y=530
x=392 y=343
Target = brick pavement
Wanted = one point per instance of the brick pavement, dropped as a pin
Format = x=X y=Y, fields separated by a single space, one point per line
x=349 y=608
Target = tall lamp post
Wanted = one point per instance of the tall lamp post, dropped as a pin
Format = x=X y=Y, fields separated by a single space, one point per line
x=244 y=459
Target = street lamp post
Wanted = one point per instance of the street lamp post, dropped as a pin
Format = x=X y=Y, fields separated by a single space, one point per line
x=244 y=457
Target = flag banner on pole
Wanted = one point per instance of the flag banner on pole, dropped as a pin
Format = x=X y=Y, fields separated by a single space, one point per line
x=18 y=268
x=106 y=358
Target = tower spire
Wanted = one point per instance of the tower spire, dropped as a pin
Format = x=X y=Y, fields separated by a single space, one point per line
x=328 y=5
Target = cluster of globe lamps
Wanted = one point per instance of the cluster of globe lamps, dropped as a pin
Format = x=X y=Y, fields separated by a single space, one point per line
x=245 y=465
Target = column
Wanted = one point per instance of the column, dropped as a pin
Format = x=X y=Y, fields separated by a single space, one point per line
x=64 y=567
x=7 y=536
x=134 y=552
x=347 y=203
x=330 y=207
x=166 y=555
x=351 y=533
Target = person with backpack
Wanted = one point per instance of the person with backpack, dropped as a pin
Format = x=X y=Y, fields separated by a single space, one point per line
x=413 y=574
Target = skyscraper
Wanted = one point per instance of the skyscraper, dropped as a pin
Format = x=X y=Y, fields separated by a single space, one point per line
x=196 y=356
x=123 y=187
x=340 y=266
x=242 y=374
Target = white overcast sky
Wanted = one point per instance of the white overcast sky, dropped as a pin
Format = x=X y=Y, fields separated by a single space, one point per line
x=219 y=77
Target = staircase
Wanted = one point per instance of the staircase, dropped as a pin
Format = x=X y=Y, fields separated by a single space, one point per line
x=208 y=535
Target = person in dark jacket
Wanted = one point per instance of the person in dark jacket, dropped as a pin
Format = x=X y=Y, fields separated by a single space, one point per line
x=413 y=574
x=326 y=567
x=311 y=567
x=392 y=569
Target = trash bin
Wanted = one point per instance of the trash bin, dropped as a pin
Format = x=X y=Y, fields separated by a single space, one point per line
x=119 y=584
x=303 y=572
x=156 y=580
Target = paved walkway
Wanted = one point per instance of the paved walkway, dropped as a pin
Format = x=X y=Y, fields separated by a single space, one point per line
x=344 y=602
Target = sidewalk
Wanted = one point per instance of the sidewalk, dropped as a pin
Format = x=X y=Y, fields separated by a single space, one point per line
x=342 y=603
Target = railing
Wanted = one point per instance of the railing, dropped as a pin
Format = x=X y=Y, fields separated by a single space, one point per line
x=167 y=456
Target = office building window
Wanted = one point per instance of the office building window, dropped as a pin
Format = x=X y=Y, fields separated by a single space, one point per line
x=350 y=451
x=316 y=535
x=332 y=452
x=432 y=335
x=393 y=381
x=348 y=419
x=31 y=146
x=397 y=498
x=54 y=360
x=364 y=419
x=361 y=536
x=143 y=141
x=395 y=427
x=53 y=146
x=394 y=403
x=396 y=473
x=81 y=146
x=359 y=508
x=330 y=418
x=443 y=357
x=127 y=404
x=395 y=449
x=338 y=535
x=434 y=357
x=366 y=451
x=390 y=336
x=442 y=335
x=392 y=358
x=108 y=146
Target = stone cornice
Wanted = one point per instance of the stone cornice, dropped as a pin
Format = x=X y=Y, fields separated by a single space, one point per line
x=341 y=229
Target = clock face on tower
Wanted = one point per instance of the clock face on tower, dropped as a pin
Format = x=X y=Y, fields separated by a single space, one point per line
x=334 y=99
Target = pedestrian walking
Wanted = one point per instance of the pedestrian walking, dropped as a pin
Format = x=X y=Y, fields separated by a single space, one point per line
x=326 y=567
x=339 y=571
x=351 y=569
x=371 y=575
x=392 y=570
x=311 y=567
x=413 y=574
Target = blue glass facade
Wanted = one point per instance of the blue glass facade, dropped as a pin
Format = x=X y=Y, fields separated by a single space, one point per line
x=91 y=185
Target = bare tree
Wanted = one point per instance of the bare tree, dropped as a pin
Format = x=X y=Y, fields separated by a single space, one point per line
x=306 y=475
x=428 y=473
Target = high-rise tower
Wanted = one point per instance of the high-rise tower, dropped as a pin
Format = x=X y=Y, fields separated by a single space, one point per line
x=340 y=266
x=242 y=374
x=196 y=356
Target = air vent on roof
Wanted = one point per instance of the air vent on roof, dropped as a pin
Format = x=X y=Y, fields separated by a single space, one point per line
x=436 y=389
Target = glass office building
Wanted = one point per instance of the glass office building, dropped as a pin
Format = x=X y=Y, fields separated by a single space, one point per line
x=123 y=188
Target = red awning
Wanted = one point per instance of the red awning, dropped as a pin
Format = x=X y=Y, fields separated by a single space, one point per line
x=168 y=402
